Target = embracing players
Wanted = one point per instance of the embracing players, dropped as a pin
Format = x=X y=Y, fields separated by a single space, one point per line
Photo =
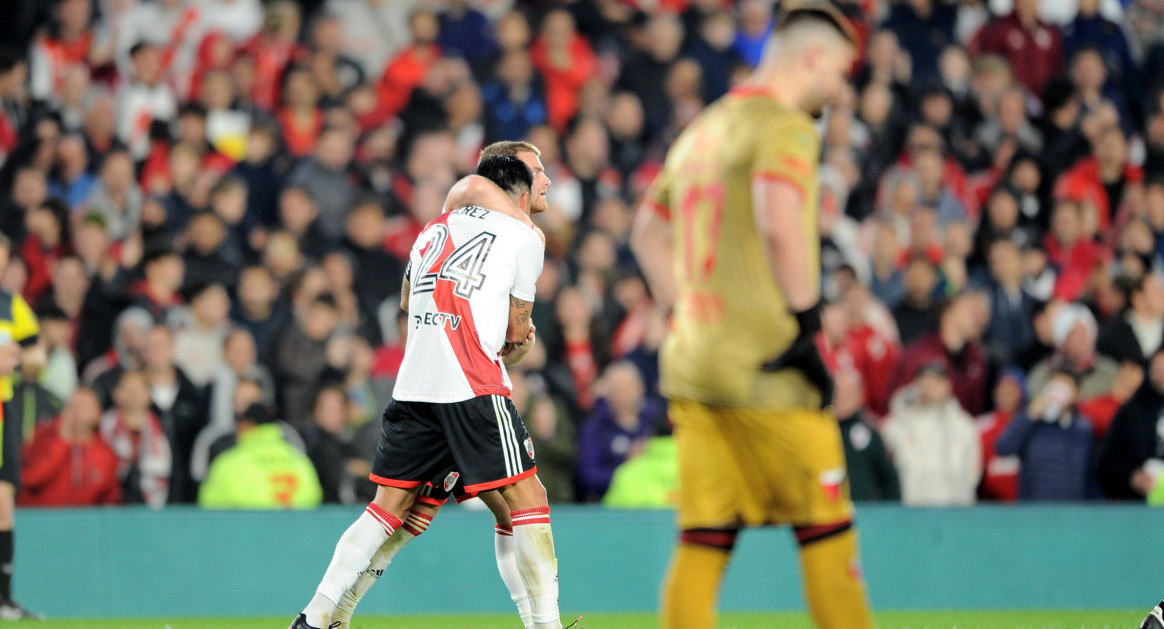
x=477 y=191
x=469 y=291
x=728 y=235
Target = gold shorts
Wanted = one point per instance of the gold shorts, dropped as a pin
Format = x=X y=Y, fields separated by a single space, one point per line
x=752 y=467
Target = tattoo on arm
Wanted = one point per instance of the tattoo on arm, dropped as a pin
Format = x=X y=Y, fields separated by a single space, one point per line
x=523 y=308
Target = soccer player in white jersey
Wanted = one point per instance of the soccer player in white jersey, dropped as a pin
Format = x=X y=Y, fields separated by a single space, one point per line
x=469 y=290
x=478 y=191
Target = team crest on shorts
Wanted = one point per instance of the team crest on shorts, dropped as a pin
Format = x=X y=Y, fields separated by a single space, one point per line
x=830 y=482
x=451 y=480
x=529 y=447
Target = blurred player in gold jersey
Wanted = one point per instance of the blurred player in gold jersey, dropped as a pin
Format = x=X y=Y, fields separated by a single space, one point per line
x=728 y=237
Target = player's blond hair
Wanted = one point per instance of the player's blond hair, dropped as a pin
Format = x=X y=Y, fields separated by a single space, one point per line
x=509 y=148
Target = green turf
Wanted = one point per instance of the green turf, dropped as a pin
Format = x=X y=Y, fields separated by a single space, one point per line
x=1088 y=619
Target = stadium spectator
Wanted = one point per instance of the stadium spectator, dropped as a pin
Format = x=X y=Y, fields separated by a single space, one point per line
x=1033 y=47
x=1093 y=88
x=616 y=430
x=1091 y=29
x=1135 y=334
x=1009 y=126
x=262 y=471
x=72 y=182
x=328 y=446
x=300 y=115
x=377 y=273
x=755 y=26
x=144 y=100
x=1072 y=250
x=127 y=354
x=59 y=375
x=1011 y=308
x=645 y=72
x=179 y=406
x=373 y=30
x=956 y=346
x=466 y=32
x=325 y=177
x=407 y=70
x=1053 y=441
x=199 y=332
x=1101 y=182
x=257 y=308
x=924 y=28
x=1000 y=474
x=29 y=190
x=578 y=341
x=918 y=313
x=66 y=463
x=239 y=363
x=205 y=258
x=711 y=47
x=1131 y=454
x=47 y=242
x=515 y=101
x=933 y=442
x=649 y=480
x=301 y=357
x=871 y=474
x=145 y=461
x=887 y=280
x=1103 y=386
x=566 y=62
x=273 y=48
x=261 y=172
x=553 y=432
x=68 y=42
x=117 y=198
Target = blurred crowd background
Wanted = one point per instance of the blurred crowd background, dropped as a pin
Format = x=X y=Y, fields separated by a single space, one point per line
x=208 y=205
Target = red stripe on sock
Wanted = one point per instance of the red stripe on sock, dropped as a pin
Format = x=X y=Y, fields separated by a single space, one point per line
x=537 y=515
x=412 y=531
x=503 y=530
x=534 y=511
x=416 y=523
x=524 y=522
x=724 y=539
x=422 y=516
x=387 y=520
x=806 y=534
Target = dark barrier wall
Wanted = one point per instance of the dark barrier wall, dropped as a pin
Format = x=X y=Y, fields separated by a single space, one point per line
x=179 y=562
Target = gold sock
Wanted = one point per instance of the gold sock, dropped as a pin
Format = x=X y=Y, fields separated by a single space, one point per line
x=833 y=584
x=692 y=586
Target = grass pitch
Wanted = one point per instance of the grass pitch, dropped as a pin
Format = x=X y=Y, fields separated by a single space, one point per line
x=1073 y=619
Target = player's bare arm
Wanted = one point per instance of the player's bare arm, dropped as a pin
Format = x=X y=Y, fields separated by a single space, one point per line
x=778 y=206
x=651 y=244
x=479 y=191
x=405 y=291
x=519 y=320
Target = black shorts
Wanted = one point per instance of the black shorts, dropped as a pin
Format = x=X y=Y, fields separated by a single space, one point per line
x=483 y=439
x=10 y=466
x=438 y=489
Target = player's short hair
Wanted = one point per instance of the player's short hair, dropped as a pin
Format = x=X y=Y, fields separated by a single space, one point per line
x=508 y=172
x=819 y=12
x=507 y=147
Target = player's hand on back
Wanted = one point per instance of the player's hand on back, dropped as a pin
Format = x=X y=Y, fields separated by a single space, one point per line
x=512 y=353
x=804 y=355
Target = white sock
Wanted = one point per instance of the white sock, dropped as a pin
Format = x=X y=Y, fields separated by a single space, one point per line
x=353 y=554
x=414 y=525
x=537 y=565
x=505 y=547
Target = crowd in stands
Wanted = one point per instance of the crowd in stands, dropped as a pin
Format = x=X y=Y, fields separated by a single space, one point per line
x=209 y=205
